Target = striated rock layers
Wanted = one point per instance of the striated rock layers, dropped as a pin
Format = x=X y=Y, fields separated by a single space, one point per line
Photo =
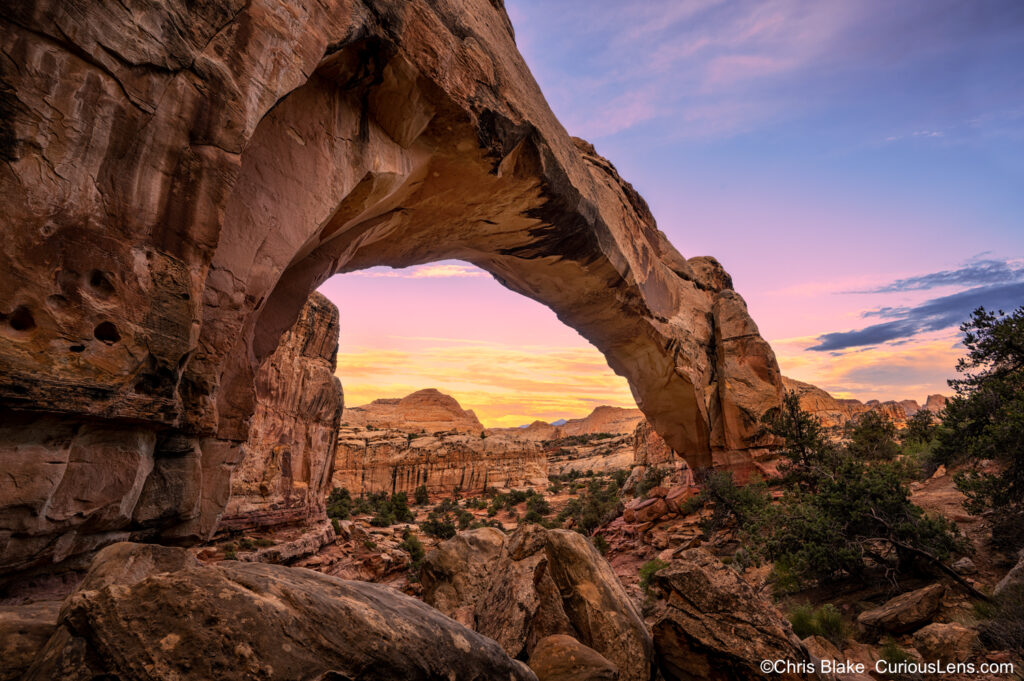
x=389 y=454
x=178 y=179
x=836 y=413
x=285 y=472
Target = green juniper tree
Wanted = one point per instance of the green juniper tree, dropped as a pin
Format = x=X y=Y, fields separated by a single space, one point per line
x=985 y=419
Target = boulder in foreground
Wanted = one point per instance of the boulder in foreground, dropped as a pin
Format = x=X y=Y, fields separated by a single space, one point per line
x=714 y=626
x=236 y=621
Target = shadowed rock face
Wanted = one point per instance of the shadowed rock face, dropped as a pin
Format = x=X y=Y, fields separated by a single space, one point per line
x=179 y=177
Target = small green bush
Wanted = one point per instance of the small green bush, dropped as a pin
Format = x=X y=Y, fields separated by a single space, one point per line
x=825 y=621
x=600 y=543
x=892 y=653
x=420 y=496
x=648 y=570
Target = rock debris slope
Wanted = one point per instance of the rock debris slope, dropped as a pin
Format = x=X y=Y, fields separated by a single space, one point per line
x=179 y=177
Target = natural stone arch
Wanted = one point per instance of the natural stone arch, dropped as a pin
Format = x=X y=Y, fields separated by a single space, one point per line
x=180 y=179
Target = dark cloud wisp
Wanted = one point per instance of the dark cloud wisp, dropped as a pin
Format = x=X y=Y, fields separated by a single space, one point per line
x=978 y=273
x=932 y=315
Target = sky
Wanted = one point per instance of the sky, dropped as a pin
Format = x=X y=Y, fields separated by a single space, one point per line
x=858 y=167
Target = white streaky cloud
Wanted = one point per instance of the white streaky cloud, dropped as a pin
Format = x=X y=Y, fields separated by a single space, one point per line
x=434 y=271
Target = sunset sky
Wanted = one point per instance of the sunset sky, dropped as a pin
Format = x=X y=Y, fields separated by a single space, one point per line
x=858 y=167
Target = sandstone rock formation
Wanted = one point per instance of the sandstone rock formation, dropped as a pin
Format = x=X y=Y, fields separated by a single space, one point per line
x=24 y=630
x=178 y=180
x=604 y=419
x=563 y=658
x=836 y=413
x=72 y=489
x=395 y=461
x=285 y=472
x=257 y=622
x=946 y=642
x=542 y=583
x=423 y=412
x=906 y=612
x=714 y=625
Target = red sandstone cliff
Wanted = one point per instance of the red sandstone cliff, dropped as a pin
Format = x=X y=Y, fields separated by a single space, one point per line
x=286 y=470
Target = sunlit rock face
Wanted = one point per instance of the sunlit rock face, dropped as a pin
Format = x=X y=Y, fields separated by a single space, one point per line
x=285 y=472
x=427 y=439
x=178 y=179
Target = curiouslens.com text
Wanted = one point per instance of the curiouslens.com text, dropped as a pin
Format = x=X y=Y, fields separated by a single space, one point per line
x=936 y=667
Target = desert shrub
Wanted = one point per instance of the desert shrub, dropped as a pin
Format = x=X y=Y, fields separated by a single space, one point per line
x=339 y=503
x=599 y=504
x=369 y=544
x=873 y=438
x=420 y=496
x=652 y=478
x=1001 y=625
x=263 y=542
x=620 y=477
x=538 y=504
x=465 y=519
x=731 y=504
x=892 y=653
x=412 y=545
x=825 y=621
x=230 y=551
x=336 y=526
x=439 y=524
x=388 y=511
x=600 y=543
x=859 y=514
x=648 y=570
x=246 y=544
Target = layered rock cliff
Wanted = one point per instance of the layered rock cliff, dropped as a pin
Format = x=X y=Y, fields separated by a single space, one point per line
x=428 y=439
x=178 y=180
x=285 y=472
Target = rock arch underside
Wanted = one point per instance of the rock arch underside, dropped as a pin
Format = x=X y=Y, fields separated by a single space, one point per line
x=179 y=176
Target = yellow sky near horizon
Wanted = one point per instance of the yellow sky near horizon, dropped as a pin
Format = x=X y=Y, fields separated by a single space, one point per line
x=510 y=385
x=504 y=385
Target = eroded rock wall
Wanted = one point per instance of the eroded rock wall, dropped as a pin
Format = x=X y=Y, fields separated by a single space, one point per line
x=395 y=461
x=285 y=472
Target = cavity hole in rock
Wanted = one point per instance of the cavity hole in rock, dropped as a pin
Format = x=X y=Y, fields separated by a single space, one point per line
x=21 y=319
x=77 y=348
x=100 y=282
x=107 y=333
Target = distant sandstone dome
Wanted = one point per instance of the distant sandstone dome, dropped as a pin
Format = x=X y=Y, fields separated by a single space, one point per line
x=424 y=411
